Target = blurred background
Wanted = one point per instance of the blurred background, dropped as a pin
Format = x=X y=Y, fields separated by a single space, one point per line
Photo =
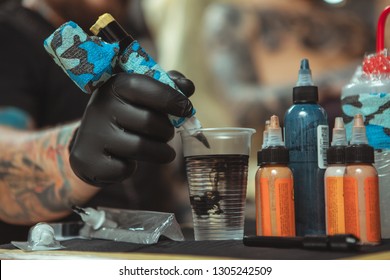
x=244 y=55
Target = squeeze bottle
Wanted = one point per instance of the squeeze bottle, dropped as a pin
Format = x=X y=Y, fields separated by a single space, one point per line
x=334 y=178
x=274 y=187
x=307 y=139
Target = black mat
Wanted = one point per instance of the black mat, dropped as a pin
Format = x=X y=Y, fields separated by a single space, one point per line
x=228 y=248
x=223 y=248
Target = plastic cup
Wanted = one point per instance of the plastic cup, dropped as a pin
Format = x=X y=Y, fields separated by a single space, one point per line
x=217 y=179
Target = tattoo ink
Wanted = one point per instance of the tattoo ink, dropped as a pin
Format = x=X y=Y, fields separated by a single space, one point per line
x=361 y=187
x=307 y=139
x=275 y=214
x=334 y=180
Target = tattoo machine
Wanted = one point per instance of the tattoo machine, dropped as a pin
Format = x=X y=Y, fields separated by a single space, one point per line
x=90 y=61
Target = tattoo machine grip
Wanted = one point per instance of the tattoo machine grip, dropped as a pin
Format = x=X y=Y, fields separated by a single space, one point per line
x=87 y=60
x=90 y=61
x=132 y=58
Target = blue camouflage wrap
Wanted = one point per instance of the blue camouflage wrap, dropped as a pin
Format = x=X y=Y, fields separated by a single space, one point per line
x=134 y=59
x=87 y=60
x=375 y=107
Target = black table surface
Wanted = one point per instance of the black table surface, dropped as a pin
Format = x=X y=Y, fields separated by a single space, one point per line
x=219 y=249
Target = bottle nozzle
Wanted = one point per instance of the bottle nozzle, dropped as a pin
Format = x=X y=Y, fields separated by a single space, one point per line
x=338 y=122
x=275 y=132
x=339 y=136
x=358 y=131
x=358 y=121
x=265 y=134
x=304 y=74
x=274 y=122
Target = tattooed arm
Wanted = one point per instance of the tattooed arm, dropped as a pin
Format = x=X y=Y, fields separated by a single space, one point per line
x=36 y=181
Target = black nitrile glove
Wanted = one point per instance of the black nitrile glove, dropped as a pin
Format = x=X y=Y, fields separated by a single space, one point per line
x=126 y=121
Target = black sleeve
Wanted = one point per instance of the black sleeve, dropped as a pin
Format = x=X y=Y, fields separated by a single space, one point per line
x=19 y=69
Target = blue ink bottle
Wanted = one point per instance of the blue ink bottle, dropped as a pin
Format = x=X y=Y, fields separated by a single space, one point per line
x=307 y=139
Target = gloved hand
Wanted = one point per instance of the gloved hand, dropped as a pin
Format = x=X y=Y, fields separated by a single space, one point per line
x=126 y=121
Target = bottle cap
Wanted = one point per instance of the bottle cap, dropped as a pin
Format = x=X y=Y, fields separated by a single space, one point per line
x=339 y=135
x=265 y=134
x=274 y=132
x=358 y=131
x=305 y=94
x=336 y=155
x=359 y=153
x=305 y=91
x=304 y=74
x=275 y=152
x=336 y=152
x=275 y=155
x=259 y=158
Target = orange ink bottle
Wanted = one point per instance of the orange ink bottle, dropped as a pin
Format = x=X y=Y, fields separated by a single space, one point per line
x=334 y=180
x=361 y=189
x=275 y=214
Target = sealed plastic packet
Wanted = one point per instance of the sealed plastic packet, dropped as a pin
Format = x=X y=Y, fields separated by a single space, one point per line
x=133 y=226
x=41 y=237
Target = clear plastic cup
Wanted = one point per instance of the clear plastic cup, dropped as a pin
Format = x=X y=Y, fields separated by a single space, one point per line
x=217 y=178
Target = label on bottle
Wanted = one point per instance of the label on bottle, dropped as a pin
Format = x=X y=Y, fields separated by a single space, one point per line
x=335 y=223
x=351 y=206
x=265 y=207
x=371 y=193
x=277 y=208
x=322 y=145
x=371 y=214
x=285 y=212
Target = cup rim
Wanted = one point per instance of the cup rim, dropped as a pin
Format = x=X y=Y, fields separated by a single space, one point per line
x=216 y=129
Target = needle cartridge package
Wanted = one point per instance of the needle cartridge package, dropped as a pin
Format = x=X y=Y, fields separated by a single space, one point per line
x=135 y=226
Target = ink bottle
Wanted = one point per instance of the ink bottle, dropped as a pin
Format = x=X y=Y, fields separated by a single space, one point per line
x=361 y=188
x=307 y=139
x=274 y=187
x=334 y=178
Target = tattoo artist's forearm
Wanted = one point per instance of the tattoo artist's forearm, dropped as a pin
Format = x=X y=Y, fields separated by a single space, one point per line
x=36 y=182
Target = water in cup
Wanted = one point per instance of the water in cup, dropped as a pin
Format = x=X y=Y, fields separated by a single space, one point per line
x=217 y=194
x=217 y=178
